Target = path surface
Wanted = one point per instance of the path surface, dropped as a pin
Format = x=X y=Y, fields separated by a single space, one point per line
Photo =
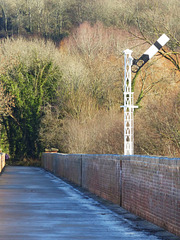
x=36 y=205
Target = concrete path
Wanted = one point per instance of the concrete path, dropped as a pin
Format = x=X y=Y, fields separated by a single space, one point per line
x=36 y=205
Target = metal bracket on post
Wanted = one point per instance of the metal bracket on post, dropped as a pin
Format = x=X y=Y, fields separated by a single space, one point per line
x=128 y=105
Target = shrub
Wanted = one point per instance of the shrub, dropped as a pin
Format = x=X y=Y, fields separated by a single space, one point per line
x=31 y=77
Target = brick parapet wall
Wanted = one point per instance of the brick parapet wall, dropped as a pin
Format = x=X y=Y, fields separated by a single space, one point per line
x=146 y=186
x=101 y=175
x=67 y=166
x=151 y=189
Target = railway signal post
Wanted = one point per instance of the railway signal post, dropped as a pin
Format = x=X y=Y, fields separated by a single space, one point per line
x=134 y=65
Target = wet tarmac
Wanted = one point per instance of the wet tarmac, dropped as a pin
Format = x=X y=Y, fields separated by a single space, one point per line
x=35 y=205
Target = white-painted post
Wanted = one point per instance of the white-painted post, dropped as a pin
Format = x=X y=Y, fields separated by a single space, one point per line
x=129 y=95
x=128 y=105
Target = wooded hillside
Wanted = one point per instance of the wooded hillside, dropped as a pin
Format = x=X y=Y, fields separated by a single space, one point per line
x=61 y=71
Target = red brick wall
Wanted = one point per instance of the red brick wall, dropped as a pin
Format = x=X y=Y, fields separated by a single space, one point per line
x=151 y=189
x=47 y=161
x=146 y=186
x=101 y=175
x=64 y=165
x=69 y=167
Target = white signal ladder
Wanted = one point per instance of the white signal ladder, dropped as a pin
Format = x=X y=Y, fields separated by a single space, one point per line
x=129 y=107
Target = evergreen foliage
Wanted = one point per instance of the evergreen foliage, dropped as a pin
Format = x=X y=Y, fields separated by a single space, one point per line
x=68 y=96
x=32 y=87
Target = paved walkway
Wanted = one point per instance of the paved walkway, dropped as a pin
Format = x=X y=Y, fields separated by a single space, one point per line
x=38 y=206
